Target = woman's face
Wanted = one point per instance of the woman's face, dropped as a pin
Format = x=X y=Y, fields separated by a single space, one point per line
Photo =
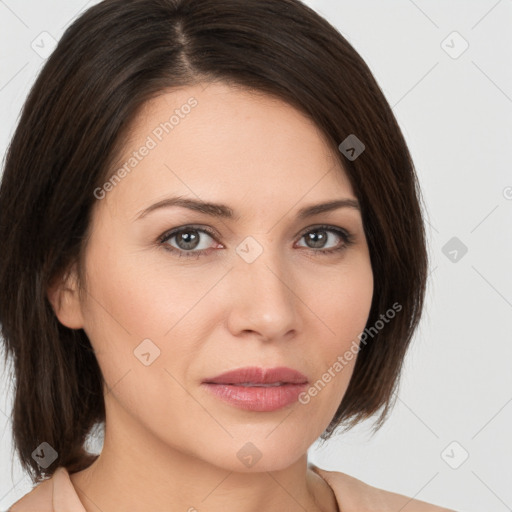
x=247 y=289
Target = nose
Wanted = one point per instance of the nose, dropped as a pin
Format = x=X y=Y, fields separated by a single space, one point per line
x=262 y=297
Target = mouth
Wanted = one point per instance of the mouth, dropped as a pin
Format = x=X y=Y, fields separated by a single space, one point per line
x=258 y=389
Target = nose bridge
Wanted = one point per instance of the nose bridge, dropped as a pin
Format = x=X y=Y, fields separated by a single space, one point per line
x=263 y=301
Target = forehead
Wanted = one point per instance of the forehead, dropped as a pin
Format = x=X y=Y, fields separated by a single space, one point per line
x=226 y=144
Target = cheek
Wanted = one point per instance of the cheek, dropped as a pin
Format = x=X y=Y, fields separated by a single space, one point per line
x=343 y=303
x=146 y=316
x=145 y=295
x=343 y=307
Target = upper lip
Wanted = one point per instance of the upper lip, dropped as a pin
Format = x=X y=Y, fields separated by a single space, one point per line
x=257 y=375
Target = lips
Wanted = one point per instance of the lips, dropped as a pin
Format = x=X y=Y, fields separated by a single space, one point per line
x=258 y=389
x=255 y=376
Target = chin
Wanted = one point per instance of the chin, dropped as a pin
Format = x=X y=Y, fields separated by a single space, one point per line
x=261 y=453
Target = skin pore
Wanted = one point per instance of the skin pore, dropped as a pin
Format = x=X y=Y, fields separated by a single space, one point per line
x=169 y=443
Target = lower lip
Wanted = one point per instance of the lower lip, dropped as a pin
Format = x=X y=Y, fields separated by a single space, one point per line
x=254 y=398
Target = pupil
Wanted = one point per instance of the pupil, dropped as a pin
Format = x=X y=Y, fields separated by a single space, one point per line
x=187 y=240
x=317 y=240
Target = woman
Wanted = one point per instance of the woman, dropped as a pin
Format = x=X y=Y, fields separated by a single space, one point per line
x=214 y=246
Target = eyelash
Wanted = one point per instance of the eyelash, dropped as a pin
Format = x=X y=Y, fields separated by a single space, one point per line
x=348 y=240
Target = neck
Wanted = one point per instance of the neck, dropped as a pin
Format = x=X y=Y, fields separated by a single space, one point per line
x=140 y=473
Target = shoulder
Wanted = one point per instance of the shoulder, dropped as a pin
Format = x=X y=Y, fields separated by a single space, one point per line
x=39 y=499
x=355 y=495
x=56 y=494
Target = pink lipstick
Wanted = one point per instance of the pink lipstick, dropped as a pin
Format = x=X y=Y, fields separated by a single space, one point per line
x=258 y=389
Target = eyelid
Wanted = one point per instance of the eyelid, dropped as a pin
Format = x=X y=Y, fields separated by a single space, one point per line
x=198 y=227
x=327 y=227
x=347 y=236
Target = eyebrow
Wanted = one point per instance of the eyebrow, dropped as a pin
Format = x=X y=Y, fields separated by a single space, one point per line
x=223 y=211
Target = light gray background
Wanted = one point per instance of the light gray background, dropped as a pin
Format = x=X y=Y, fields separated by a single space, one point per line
x=456 y=114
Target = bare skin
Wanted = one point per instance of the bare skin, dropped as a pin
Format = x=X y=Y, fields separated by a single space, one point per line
x=169 y=444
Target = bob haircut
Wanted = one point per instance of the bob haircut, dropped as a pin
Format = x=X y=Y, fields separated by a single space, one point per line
x=115 y=57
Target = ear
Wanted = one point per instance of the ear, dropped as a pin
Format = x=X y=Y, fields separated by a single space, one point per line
x=64 y=298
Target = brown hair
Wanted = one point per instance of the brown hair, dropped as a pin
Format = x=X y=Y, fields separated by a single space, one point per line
x=109 y=62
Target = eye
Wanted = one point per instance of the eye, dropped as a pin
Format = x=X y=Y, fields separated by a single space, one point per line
x=192 y=241
x=319 y=236
x=189 y=240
